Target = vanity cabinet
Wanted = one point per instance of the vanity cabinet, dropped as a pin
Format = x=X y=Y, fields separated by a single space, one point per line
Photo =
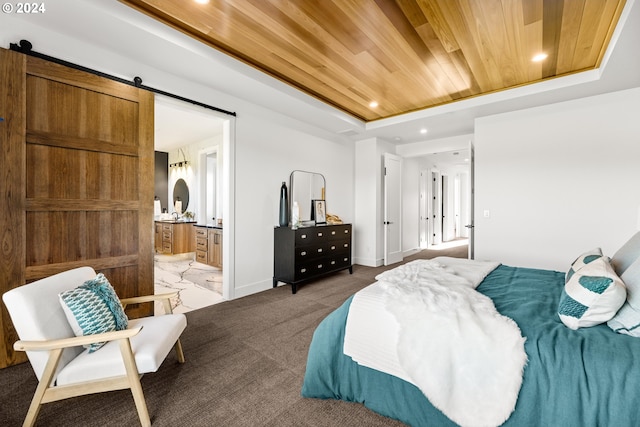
x=202 y=245
x=310 y=252
x=174 y=237
x=209 y=245
x=215 y=247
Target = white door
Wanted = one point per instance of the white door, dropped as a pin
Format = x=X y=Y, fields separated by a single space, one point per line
x=392 y=209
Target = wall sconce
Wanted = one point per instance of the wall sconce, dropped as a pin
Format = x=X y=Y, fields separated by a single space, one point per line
x=184 y=162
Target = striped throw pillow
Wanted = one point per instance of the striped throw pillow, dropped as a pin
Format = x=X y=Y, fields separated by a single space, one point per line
x=93 y=308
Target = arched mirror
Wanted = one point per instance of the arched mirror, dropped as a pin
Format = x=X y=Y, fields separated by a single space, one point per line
x=180 y=196
x=306 y=187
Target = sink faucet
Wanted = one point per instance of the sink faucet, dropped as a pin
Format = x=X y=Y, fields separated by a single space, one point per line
x=175 y=214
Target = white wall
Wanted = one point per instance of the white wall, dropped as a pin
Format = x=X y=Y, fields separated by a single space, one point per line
x=410 y=206
x=266 y=154
x=192 y=173
x=558 y=180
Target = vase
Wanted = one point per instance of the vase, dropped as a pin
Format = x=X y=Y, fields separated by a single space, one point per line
x=284 y=206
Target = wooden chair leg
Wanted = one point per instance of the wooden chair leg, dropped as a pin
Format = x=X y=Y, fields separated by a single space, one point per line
x=179 y=353
x=43 y=385
x=134 y=382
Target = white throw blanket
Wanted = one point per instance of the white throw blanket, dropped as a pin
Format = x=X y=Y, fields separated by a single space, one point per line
x=448 y=340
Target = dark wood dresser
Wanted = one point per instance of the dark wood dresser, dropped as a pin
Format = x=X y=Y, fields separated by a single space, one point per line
x=310 y=252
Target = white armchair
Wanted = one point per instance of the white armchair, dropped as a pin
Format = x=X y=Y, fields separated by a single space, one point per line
x=64 y=368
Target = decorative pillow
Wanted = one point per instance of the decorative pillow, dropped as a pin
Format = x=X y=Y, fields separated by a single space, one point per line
x=626 y=255
x=93 y=308
x=592 y=295
x=583 y=260
x=627 y=320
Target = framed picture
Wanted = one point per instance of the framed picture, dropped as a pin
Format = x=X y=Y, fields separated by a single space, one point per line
x=319 y=211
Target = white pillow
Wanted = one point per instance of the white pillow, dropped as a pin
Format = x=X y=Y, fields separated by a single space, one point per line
x=627 y=320
x=592 y=295
x=626 y=255
x=583 y=260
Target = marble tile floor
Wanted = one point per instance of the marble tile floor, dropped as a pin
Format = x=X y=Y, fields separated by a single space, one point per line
x=200 y=285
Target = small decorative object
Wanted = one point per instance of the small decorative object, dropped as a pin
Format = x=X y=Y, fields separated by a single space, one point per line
x=189 y=215
x=295 y=215
x=284 y=206
x=319 y=212
x=333 y=219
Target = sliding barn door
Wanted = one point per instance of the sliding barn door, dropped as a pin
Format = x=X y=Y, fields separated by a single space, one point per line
x=77 y=179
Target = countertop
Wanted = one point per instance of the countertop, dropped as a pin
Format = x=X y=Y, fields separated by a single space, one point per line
x=174 y=221
x=219 y=227
x=195 y=223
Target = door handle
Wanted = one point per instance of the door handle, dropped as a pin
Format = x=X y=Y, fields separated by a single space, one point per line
x=387 y=222
x=470 y=226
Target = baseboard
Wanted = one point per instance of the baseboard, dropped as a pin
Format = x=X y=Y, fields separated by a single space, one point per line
x=410 y=252
x=368 y=262
x=252 y=288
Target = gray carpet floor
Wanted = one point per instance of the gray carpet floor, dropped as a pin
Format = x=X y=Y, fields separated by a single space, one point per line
x=245 y=363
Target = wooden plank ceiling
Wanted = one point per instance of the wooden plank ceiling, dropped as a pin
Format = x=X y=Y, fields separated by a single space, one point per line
x=406 y=55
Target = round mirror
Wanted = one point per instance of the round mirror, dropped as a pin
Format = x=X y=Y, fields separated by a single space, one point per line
x=180 y=196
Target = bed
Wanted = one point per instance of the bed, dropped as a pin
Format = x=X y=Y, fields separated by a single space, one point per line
x=577 y=375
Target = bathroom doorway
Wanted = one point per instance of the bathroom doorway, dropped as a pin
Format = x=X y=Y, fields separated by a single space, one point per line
x=196 y=140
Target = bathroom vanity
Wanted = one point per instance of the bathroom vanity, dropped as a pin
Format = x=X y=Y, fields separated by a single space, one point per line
x=208 y=241
x=174 y=237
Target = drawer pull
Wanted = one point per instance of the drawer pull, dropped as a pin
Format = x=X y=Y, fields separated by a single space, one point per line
x=319 y=265
x=346 y=231
x=303 y=236
x=346 y=259
x=319 y=250
x=320 y=234
x=333 y=233
x=333 y=248
x=333 y=262
x=346 y=245
x=303 y=253
x=303 y=270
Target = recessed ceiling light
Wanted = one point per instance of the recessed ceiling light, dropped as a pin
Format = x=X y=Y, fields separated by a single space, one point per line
x=539 y=57
x=202 y=1
x=423 y=131
x=373 y=104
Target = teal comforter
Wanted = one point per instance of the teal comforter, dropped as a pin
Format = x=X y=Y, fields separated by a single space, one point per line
x=588 y=377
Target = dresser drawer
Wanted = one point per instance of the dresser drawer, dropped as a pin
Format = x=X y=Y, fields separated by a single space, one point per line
x=201 y=244
x=201 y=256
x=311 y=235
x=312 y=268
x=166 y=236
x=341 y=232
x=339 y=261
x=321 y=249
x=201 y=232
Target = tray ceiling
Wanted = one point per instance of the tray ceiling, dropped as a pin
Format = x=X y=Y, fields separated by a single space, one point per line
x=406 y=55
